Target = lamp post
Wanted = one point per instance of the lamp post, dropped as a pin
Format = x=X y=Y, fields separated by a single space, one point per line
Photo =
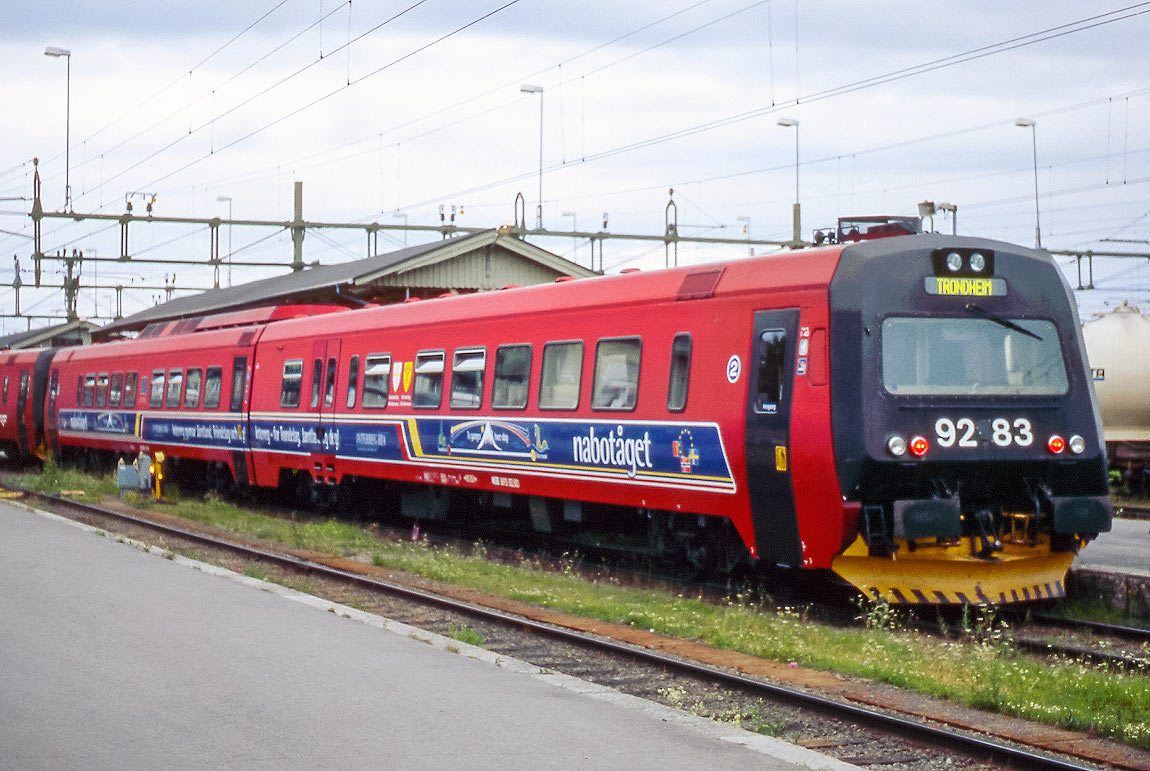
x=527 y=88
x=1032 y=125
x=797 y=226
x=574 y=240
x=228 y=200
x=747 y=232
x=58 y=52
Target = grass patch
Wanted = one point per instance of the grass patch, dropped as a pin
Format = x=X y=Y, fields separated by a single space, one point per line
x=255 y=570
x=981 y=669
x=1103 y=612
x=465 y=634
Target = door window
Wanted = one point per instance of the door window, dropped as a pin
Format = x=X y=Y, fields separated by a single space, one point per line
x=772 y=361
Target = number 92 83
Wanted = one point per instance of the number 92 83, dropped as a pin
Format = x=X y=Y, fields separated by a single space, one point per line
x=964 y=432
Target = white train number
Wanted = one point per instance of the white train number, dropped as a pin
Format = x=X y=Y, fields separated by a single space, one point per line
x=964 y=432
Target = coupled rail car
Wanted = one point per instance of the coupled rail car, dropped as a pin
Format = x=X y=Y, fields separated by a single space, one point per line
x=912 y=413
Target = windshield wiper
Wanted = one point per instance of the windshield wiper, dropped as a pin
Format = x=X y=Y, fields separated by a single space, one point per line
x=1001 y=321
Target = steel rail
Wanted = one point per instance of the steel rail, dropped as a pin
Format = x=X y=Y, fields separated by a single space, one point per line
x=913 y=729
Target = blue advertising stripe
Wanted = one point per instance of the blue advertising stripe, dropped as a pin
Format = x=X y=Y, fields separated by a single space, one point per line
x=667 y=453
x=657 y=453
x=203 y=430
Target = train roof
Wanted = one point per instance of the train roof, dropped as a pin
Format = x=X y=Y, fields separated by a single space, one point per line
x=811 y=268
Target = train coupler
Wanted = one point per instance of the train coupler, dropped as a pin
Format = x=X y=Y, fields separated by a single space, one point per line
x=986 y=542
x=877 y=532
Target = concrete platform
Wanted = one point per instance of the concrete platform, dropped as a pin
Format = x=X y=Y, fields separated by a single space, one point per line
x=1125 y=549
x=113 y=658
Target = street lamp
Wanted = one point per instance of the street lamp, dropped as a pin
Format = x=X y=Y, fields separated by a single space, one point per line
x=1032 y=124
x=747 y=232
x=228 y=200
x=797 y=229
x=574 y=240
x=58 y=52
x=527 y=88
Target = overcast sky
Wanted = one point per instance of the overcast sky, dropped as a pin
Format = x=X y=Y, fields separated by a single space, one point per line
x=386 y=109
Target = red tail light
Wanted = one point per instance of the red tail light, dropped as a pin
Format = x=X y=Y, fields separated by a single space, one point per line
x=1056 y=444
x=919 y=446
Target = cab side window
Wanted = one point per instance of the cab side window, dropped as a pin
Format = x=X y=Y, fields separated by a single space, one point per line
x=680 y=373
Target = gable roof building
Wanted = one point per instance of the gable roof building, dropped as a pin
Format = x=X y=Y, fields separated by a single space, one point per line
x=477 y=262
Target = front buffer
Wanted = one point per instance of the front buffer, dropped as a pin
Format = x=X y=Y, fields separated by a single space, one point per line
x=945 y=575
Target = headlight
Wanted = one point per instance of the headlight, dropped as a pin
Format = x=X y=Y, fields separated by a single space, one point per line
x=896 y=446
x=954 y=262
x=1077 y=444
x=977 y=262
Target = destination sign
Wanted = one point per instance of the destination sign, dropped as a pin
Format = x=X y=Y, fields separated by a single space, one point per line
x=965 y=287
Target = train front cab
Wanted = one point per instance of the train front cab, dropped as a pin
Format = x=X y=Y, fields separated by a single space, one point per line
x=965 y=425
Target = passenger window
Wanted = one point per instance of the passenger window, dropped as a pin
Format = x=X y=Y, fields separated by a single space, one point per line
x=680 y=373
x=175 y=386
x=156 y=397
x=130 y=389
x=102 y=390
x=89 y=390
x=293 y=378
x=376 y=372
x=616 y=382
x=562 y=373
x=329 y=389
x=240 y=381
x=467 y=379
x=428 y=392
x=352 y=380
x=212 y=382
x=192 y=390
x=512 y=375
x=79 y=390
x=772 y=359
x=115 y=389
x=316 y=376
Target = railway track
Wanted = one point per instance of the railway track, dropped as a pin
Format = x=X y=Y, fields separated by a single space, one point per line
x=843 y=717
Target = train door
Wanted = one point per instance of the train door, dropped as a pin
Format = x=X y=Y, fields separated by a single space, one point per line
x=21 y=409
x=325 y=377
x=50 y=414
x=771 y=375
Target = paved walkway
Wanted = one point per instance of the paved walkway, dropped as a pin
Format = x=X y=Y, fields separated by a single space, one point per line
x=1125 y=549
x=112 y=658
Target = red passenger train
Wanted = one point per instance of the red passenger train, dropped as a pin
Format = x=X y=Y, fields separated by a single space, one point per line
x=912 y=413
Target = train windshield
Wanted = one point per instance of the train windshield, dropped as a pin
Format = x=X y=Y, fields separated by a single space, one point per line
x=971 y=356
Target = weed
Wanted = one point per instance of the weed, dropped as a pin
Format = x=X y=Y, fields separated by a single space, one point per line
x=465 y=634
x=255 y=570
